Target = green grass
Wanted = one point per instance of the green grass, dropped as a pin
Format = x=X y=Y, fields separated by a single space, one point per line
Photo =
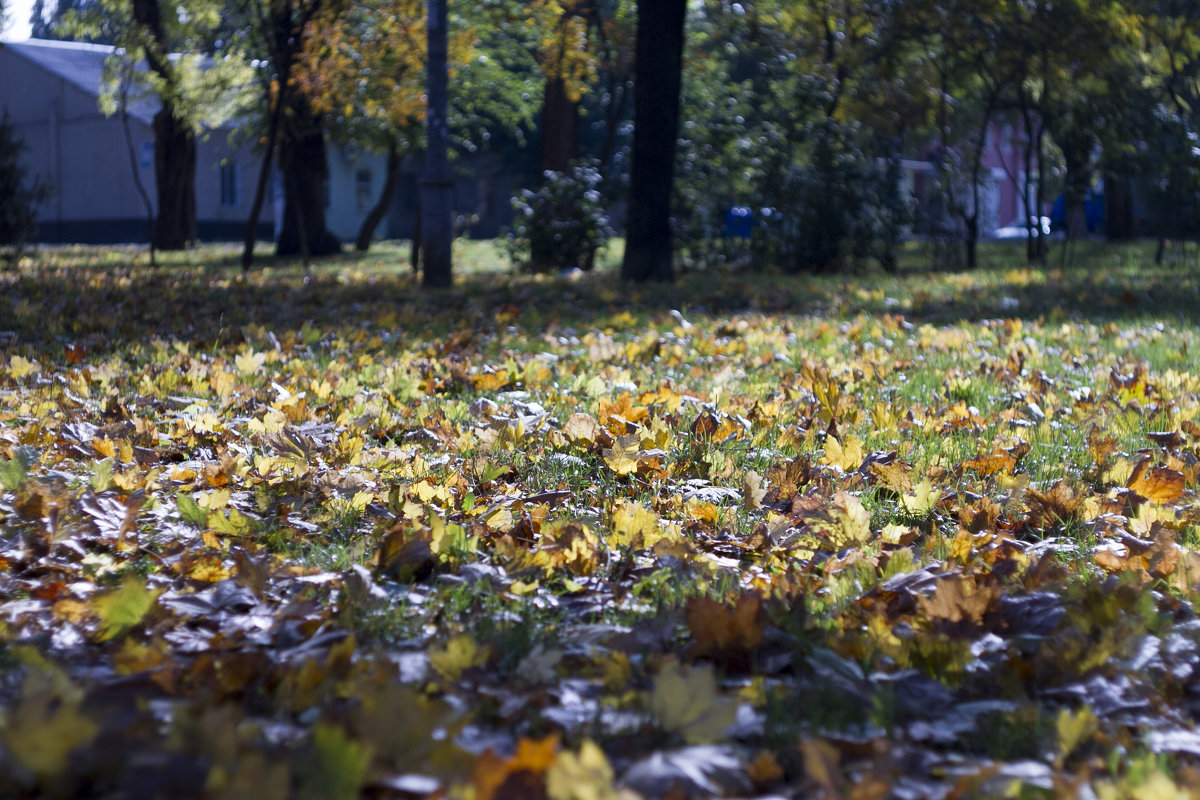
x=980 y=390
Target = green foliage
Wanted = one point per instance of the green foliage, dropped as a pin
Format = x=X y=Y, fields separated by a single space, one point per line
x=562 y=224
x=20 y=193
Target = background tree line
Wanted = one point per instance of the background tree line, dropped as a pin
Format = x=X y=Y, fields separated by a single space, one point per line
x=801 y=110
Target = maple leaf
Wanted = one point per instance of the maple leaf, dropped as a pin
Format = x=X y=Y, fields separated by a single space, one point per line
x=753 y=490
x=922 y=500
x=686 y=703
x=523 y=775
x=1073 y=728
x=726 y=635
x=582 y=429
x=622 y=457
x=847 y=457
x=635 y=526
x=583 y=776
x=335 y=767
x=460 y=654
x=121 y=610
x=959 y=600
x=1156 y=484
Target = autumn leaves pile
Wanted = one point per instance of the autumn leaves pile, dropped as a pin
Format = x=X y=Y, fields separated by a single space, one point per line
x=540 y=540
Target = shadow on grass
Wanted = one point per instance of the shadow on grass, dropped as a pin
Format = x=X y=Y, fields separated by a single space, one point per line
x=109 y=297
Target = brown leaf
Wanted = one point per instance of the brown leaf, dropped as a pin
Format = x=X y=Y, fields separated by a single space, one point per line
x=1156 y=484
x=724 y=634
x=1100 y=446
x=1168 y=440
x=959 y=600
x=753 y=490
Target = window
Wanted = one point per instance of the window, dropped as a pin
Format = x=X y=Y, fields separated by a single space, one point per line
x=231 y=185
x=362 y=189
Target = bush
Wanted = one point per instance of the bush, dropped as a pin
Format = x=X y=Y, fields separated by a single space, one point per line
x=560 y=225
x=19 y=195
x=843 y=207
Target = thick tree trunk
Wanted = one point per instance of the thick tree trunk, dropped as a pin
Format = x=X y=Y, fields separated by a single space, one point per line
x=972 y=242
x=302 y=162
x=437 y=231
x=658 y=79
x=174 y=140
x=174 y=181
x=367 y=231
x=560 y=128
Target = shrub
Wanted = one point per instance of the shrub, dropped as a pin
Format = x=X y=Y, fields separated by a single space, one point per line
x=19 y=195
x=560 y=225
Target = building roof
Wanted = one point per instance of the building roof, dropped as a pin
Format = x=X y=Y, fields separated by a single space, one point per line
x=81 y=65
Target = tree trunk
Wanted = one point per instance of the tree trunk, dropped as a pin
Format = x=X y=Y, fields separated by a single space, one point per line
x=560 y=128
x=367 y=231
x=658 y=77
x=972 y=241
x=174 y=181
x=437 y=231
x=174 y=140
x=302 y=162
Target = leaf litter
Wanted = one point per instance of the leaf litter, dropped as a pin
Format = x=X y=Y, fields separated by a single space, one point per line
x=316 y=536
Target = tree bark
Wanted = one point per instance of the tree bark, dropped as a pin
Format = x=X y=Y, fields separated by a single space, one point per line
x=658 y=76
x=174 y=140
x=437 y=231
x=302 y=162
x=560 y=128
x=367 y=231
x=174 y=181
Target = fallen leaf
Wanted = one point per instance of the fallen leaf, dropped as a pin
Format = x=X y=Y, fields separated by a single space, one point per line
x=121 y=610
x=686 y=703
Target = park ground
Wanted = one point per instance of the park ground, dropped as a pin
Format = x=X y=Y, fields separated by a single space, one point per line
x=329 y=535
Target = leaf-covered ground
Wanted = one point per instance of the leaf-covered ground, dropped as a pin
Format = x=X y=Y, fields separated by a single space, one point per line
x=270 y=537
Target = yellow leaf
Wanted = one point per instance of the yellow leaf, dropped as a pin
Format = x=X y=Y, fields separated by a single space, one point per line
x=249 y=363
x=898 y=534
x=847 y=457
x=44 y=728
x=222 y=382
x=687 y=703
x=522 y=587
x=583 y=776
x=634 y=526
x=582 y=429
x=271 y=422
x=461 y=653
x=19 y=367
x=215 y=500
x=621 y=458
x=1073 y=730
x=121 y=610
x=922 y=500
x=854 y=521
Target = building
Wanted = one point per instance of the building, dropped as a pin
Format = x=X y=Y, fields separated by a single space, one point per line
x=50 y=90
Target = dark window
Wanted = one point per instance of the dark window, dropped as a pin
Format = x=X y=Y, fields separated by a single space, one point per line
x=362 y=189
x=231 y=185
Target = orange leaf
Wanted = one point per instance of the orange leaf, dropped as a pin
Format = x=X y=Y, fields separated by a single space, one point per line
x=1156 y=484
x=726 y=634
